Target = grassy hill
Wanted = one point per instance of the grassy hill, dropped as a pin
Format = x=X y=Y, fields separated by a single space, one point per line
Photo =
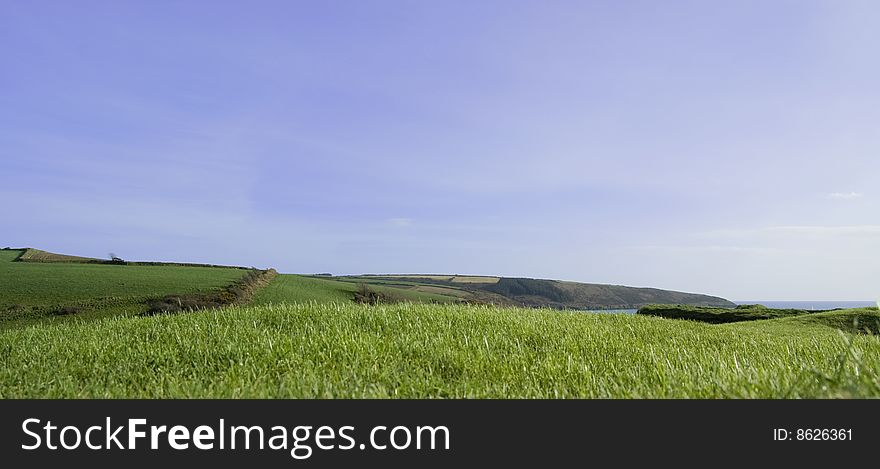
x=77 y=328
x=74 y=283
x=40 y=290
x=864 y=321
x=288 y=288
x=530 y=292
x=855 y=320
x=421 y=350
x=36 y=255
x=715 y=315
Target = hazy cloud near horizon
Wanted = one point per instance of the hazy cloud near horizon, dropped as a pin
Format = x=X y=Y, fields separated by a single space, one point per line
x=723 y=148
x=844 y=195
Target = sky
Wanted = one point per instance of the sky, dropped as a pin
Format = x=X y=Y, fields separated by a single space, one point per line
x=728 y=148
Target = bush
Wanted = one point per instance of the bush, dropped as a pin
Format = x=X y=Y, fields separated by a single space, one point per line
x=178 y=303
x=715 y=315
x=65 y=310
x=368 y=296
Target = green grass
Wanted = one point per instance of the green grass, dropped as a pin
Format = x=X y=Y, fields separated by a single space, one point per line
x=307 y=338
x=408 y=350
x=714 y=315
x=33 y=290
x=853 y=321
x=9 y=255
x=288 y=288
x=36 y=255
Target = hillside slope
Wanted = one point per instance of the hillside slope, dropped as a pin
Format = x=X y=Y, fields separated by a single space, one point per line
x=574 y=295
x=530 y=292
x=428 y=288
x=37 y=255
x=291 y=288
x=55 y=289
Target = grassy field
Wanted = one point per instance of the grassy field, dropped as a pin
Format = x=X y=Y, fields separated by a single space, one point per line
x=37 y=290
x=714 y=315
x=474 y=279
x=444 y=278
x=531 y=292
x=853 y=321
x=304 y=336
x=36 y=255
x=858 y=320
x=408 y=350
x=290 y=288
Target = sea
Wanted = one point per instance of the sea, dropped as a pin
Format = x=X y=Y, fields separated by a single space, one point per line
x=810 y=304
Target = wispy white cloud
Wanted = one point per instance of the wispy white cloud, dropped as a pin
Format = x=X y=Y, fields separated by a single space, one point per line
x=844 y=195
x=851 y=230
x=401 y=222
x=706 y=248
x=796 y=230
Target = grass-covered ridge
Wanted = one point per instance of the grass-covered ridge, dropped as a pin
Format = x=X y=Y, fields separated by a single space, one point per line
x=715 y=315
x=434 y=288
x=854 y=321
x=290 y=288
x=37 y=255
x=37 y=290
x=511 y=291
x=73 y=328
x=408 y=350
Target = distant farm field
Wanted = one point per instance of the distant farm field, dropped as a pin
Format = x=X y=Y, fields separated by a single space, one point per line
x=289 y=288
x=36 y=255
x=410 y=350
x=442 y=278
x=474 y=279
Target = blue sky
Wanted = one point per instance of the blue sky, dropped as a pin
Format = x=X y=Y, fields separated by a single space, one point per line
x=729 y=148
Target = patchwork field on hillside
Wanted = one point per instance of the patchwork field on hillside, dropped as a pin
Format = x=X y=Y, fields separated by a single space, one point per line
x=288 y=288
x=512 y=291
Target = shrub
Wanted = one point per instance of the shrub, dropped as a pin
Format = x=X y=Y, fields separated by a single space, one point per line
x=750 y=307
x=178 y=303
x=65 y=310
x=366 y=295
